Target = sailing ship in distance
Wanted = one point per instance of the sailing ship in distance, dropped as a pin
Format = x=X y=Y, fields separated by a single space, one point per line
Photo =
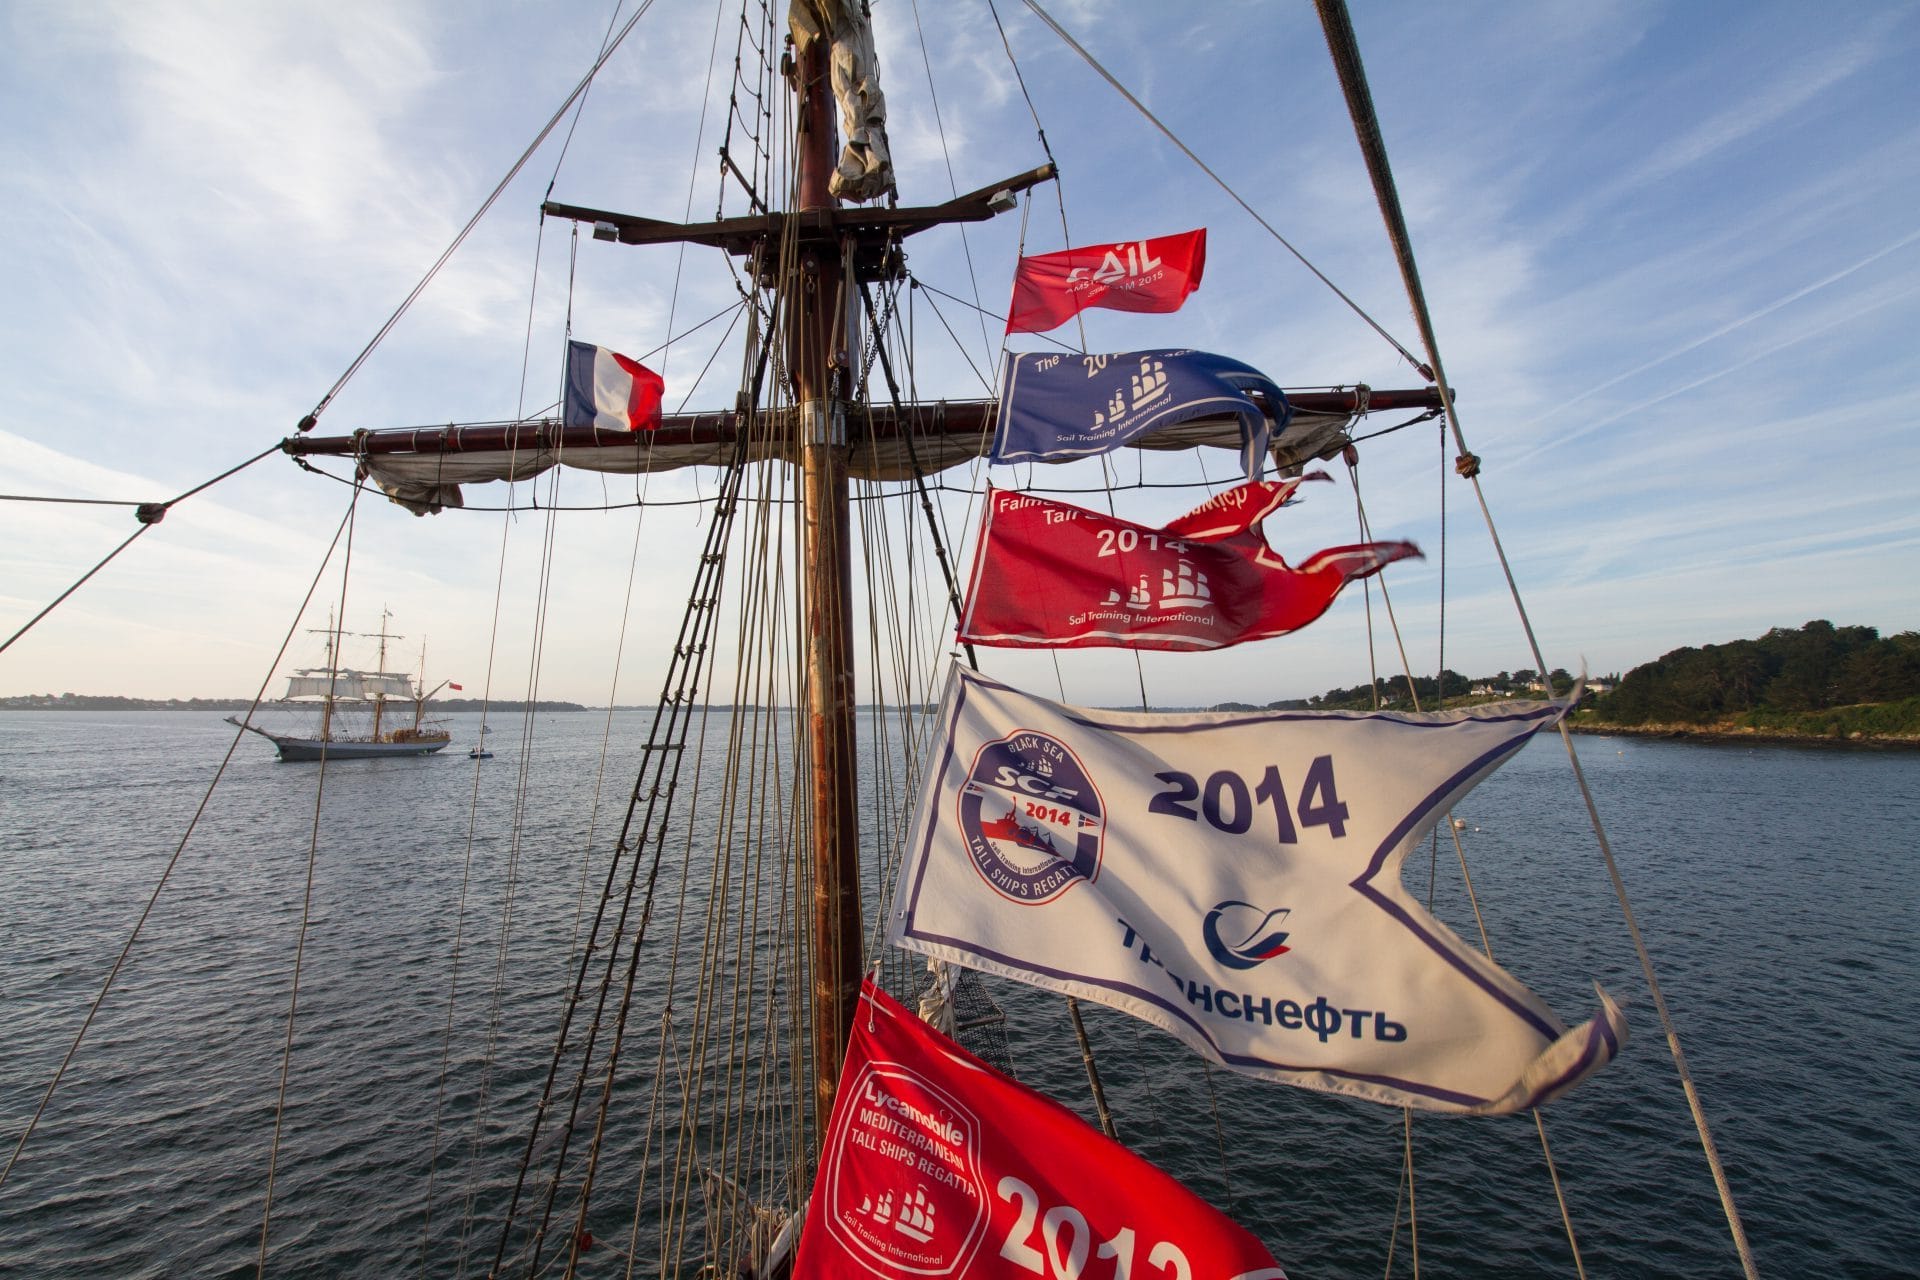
x=352 y=706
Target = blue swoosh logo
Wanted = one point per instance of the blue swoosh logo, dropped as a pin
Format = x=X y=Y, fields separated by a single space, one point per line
x=1255 y=934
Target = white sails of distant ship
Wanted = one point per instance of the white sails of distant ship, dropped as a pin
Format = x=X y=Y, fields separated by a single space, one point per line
x=353 y=712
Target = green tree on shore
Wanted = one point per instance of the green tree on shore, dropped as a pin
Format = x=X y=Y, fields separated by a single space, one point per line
x=1814 y=668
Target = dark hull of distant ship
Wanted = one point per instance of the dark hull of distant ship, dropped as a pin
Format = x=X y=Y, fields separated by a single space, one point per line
x=402 y=743
x=315 y=749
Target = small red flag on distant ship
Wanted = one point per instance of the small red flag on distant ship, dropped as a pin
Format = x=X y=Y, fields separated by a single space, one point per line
x=1050 y=289
x=936 y=1165
x=1063 y=577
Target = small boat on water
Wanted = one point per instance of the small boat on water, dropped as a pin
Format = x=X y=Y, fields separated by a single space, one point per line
x=353 y=711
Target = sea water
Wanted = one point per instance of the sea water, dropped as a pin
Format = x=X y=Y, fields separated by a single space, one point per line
x=1774 y=886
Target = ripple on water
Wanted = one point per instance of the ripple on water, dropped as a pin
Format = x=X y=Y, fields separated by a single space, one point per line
x=1775 y=886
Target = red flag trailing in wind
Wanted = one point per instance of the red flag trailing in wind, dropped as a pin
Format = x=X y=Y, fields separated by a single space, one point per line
x=936 y=1165
x=1136 y=275
x=1058 y=576
x=451 y=685
x=608 y=390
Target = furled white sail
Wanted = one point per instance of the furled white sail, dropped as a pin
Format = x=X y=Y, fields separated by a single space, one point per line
x=349 y=686
x=424 y=478
x=865 y=170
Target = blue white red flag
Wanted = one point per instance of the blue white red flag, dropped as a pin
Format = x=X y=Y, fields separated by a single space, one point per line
x=1234 y=879
x=1058 y=576
x=1056 y=408
x=610 y=391
x=936 y=1165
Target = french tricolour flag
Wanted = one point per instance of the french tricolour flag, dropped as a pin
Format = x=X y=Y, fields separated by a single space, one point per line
x=608 y=390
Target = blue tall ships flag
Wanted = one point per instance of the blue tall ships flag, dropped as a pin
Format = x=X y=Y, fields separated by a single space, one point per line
x=1055 y=408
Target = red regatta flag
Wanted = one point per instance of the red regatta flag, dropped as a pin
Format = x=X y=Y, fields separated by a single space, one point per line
x=1136 y=275
x=1062 y=577
x=453 y=686
x=936 y=1165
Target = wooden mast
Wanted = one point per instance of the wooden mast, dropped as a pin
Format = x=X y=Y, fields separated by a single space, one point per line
x=819 y=254
x=817 y=342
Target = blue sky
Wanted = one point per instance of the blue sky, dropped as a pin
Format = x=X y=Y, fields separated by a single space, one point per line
x=1672 y=251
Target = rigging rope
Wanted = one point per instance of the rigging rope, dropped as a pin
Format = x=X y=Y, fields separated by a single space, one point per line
x=946 y=155
x=953 y=597
x=579 y=90
x=91 y=502
x=1344 y=48
x=1460 y=852
x=167 y=871
x=662 y=758
x=517 y=824
x=1139 y=106
x=149 y=514
x=306 y=906
x=78 y=583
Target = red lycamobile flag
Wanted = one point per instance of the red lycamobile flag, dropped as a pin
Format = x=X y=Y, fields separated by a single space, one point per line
x=1062 y=577
x=936 y=1165
x=1137 y=275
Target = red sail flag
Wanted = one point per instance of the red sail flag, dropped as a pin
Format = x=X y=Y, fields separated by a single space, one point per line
x=1136 y=275
x=936 y=1165
x=1062 y=577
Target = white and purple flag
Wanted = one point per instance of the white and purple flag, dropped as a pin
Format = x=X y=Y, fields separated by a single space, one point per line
x=1056 y=408
x=610 y=391
x=1234 y=879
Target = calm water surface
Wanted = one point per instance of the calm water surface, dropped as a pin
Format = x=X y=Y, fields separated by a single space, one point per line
x=1775 y=885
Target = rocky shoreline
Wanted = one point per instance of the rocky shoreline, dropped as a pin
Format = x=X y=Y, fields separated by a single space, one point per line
x=1732 y=734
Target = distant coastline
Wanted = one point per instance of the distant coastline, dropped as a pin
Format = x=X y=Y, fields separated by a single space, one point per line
x=112 y=702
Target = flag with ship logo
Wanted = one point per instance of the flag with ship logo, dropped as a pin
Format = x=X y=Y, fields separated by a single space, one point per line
x=1058 y=576
x=1056 y=408
x=1050 y=289
x=936 y=1165
x=1234 y=879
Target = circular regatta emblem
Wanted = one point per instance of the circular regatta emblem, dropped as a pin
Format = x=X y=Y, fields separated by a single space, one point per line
x=1031 y=817
x=905 y=1194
